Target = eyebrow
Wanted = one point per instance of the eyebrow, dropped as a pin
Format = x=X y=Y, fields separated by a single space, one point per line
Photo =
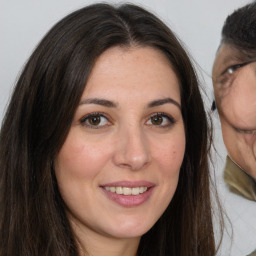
x=111 y=104
x=160 y=102
x=102 y=102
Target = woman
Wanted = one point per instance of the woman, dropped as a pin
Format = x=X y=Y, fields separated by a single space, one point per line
x=235 y=93
x=104 y=145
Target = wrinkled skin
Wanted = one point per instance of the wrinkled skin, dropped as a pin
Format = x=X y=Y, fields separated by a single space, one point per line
x=235 y=94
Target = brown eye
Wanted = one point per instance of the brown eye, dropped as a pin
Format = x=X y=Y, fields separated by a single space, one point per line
x=156 y=120
x=160 y=120
x=95 y=120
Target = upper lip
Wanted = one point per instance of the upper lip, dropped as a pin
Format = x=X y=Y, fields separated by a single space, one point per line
x=129 y=184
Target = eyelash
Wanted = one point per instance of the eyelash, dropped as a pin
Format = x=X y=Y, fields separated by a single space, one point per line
x=84 y=121
x=233 y=68
x=171 y=120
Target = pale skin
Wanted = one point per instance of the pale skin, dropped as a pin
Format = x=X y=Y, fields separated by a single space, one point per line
x=128 y=129
x=235 y=93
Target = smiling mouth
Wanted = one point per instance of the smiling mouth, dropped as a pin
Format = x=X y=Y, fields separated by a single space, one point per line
x=127 y=191
x=129 y=194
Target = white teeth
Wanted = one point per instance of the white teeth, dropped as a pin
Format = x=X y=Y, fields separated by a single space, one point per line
x=142 y=189
x=127 y=191
x=135 y=191
x=119 y=190
x=112 y=189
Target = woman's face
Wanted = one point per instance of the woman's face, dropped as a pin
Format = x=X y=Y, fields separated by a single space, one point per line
x=235 y=92
x=119 y=166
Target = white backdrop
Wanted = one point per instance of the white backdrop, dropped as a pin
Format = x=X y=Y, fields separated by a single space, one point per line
x=198 y=24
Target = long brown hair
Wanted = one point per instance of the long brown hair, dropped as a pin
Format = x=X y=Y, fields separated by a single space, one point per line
x=37 y=121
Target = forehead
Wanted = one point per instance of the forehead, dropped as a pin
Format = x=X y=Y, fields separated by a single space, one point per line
x=135 y=70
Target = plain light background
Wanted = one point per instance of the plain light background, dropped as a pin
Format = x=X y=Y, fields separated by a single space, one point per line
x=197 y=23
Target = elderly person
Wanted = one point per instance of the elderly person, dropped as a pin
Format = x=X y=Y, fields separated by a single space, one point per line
x=234 y=80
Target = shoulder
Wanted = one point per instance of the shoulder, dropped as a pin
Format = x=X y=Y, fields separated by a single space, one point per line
x=238 y=181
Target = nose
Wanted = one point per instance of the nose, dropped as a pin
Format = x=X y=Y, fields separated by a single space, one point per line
x=132 y=150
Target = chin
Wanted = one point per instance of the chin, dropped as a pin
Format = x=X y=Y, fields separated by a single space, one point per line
x=131 y=229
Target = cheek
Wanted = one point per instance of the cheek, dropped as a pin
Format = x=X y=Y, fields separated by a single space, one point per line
x=79 y=157
x=170 y=153
x=229 y=137
x=231 y=140
x=239 y=104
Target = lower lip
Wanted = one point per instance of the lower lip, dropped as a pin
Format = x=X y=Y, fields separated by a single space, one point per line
x=129 y=201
